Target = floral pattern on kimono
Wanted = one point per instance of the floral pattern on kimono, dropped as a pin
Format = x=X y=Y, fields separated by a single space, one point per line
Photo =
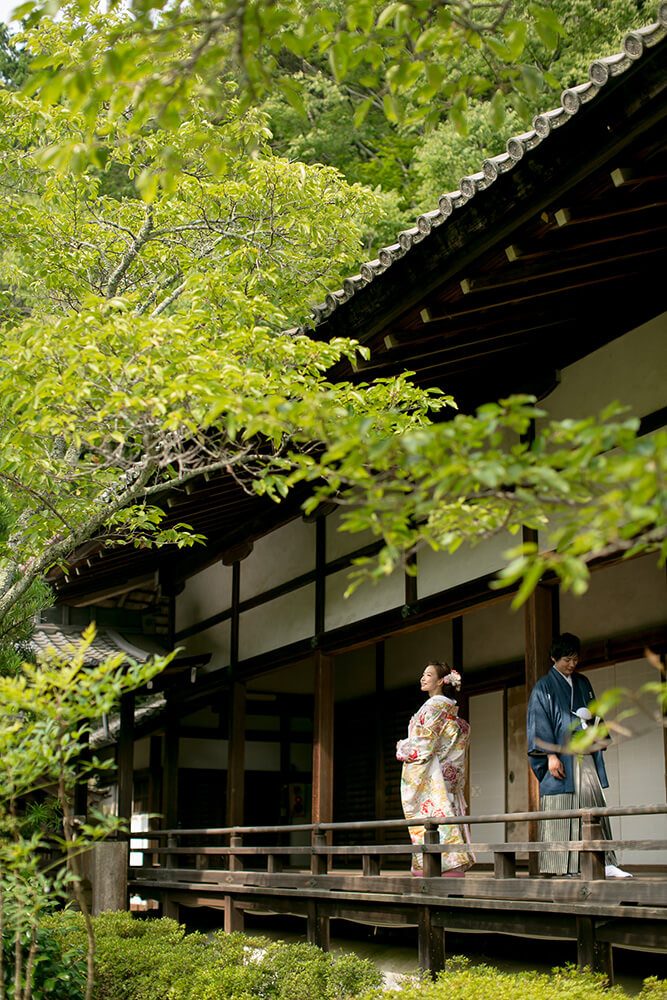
x=434 y=759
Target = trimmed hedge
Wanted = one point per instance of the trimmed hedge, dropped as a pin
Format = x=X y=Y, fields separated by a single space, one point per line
x=463 y=981
x=140 y=959
x=157 y=960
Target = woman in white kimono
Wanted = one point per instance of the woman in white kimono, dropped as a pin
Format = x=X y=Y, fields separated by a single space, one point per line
x=434 y=759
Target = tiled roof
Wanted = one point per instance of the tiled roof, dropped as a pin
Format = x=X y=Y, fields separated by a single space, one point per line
x=106 y=643
x=601 y=72
x=108 y=733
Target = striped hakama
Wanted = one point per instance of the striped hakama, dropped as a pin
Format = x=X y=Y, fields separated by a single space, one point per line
x=587 y=792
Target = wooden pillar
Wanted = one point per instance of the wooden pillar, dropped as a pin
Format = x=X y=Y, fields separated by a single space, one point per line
x=317 y=932
x=462 y=698
x=170 y=909
x=380 y=776
x=431 y=942
x=126 y=760
x=154 y=790
x=170 y=772
x=236 y=756
x=591 y=953
x=540 y=619
x=320 y=574
x=323 y=739
x=233 y=916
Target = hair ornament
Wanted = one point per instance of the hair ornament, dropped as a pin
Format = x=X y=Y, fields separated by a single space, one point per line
x=453 y=678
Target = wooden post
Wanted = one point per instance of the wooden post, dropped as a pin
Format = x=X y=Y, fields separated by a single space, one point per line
x=170 y=773
x=171 y=860
x=504 y=865
x=320 y=574
x=380 y=776
x=317 y=932
x=462 y=698
x=370 y=864
x=539 y=619
x=126 y=760
x=233 y=916
x=236 y=758
x=319 y=862
x=591 y=953
x=170 y=908
x=323 y=739
x=432 y=862
x=235 y=860
x=431 y=942
x=591 y=862
x=155 y=788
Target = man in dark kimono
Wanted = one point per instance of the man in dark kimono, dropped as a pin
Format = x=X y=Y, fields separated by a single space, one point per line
x=558 y=701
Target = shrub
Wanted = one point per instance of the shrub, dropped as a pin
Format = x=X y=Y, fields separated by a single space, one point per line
x=59 y=970
x=653 y=989
x=462 y=981
x=156 y=960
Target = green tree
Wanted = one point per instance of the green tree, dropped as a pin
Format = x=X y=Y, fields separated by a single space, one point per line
x=47 y=712
x=145 y=345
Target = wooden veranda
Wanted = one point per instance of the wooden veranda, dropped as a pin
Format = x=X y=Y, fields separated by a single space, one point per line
x=220 y=868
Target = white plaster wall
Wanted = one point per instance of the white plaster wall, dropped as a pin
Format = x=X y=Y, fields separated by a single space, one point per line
x=340 y=543
x=487 y=765
x=355 y=673
x=491 y=635
x=277 y=623
x=622 y=598
x=215 y=640
x=439 y=570
x=636 y=766
x=205 y=594
x=213 y=755
x=407 y=655
x=368 y=599
x=280 y=556
x=630 y=370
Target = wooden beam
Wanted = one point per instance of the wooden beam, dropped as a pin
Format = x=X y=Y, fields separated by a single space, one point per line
x=237 y=553
x=126 y=759
x=94 y=597
x=561 y=265
x=236 y=759
x=323 y=739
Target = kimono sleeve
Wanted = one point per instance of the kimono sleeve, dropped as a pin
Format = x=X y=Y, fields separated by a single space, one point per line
x=539 y=727
x=420 y=745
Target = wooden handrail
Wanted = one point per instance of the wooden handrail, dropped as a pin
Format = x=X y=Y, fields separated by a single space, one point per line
x=429 y=821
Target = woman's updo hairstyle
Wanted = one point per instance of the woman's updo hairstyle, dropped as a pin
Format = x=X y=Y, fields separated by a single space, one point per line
x=452 y=678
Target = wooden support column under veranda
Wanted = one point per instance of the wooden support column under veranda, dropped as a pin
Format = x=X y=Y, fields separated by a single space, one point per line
x=541 y=624
x=323 y=745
